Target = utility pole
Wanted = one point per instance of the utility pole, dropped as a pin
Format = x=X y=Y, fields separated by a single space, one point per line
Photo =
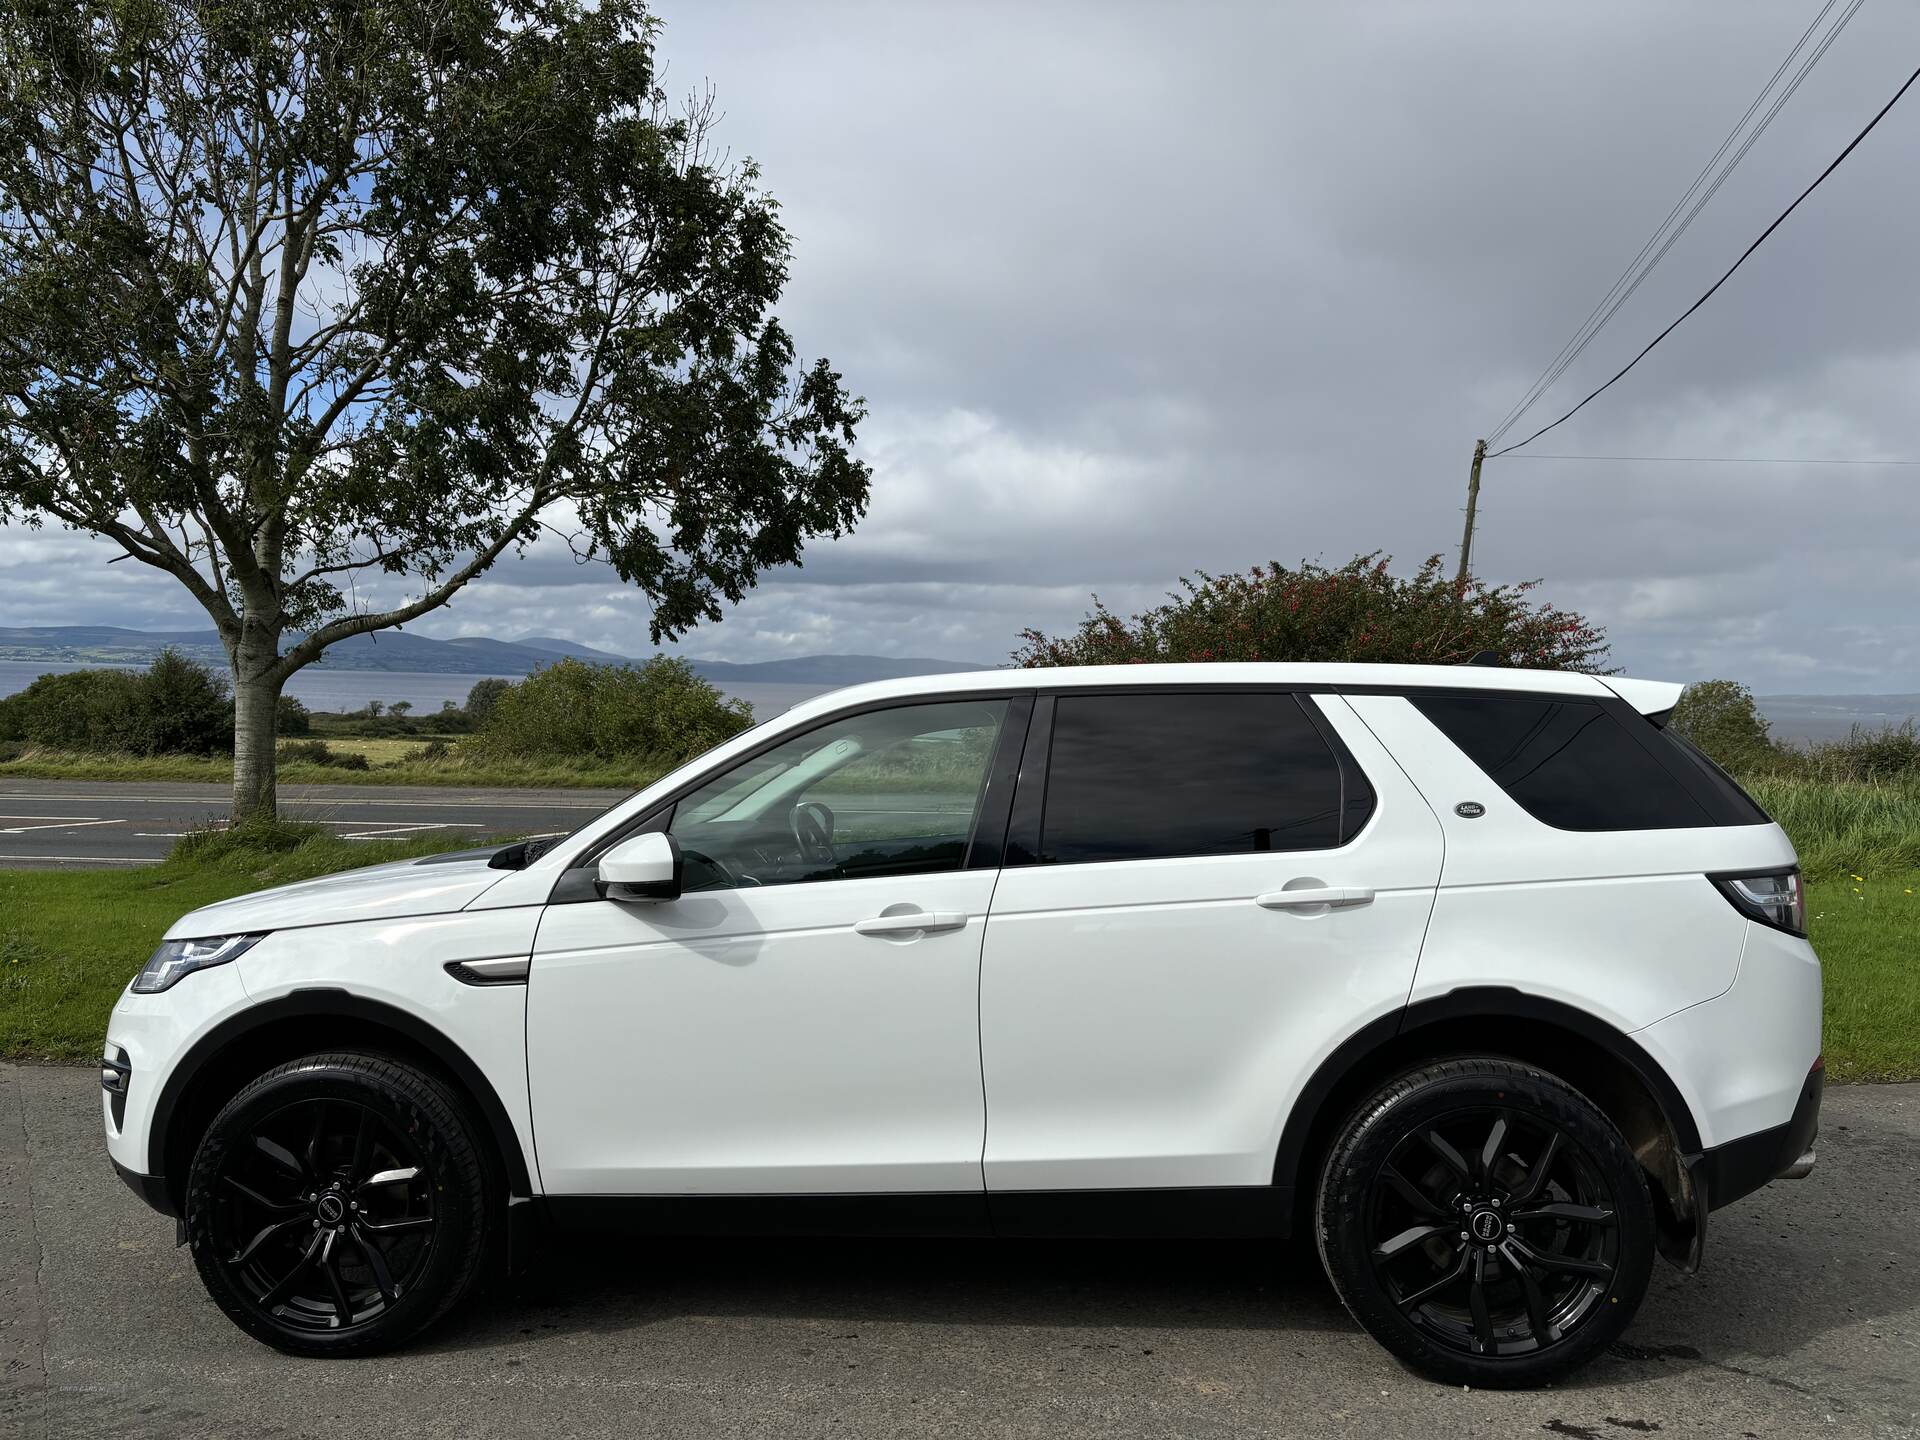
x=1473 y=504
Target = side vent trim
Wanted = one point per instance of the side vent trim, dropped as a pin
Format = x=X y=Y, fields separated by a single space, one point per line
x=504 y=970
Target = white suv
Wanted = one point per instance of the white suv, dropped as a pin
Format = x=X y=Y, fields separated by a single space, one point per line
x=1477 y=974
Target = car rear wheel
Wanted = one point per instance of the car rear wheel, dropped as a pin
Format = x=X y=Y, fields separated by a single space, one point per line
x=1486 y=1223
x=338 y=1205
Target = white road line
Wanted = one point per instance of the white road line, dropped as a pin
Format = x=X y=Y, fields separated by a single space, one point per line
x=46 y=817
x=61 y=825
x=402 y=828
x=89 y=859
x=321 y=801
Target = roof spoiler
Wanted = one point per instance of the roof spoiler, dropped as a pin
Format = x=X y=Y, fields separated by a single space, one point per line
x=1654 y=699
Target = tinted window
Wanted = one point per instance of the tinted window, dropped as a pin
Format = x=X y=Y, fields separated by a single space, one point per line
x=1568 y=763
x=886 y=792
x=1133 y=777
x=1726 y=802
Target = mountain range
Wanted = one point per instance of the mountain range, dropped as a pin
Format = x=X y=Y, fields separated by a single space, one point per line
x=66 y=646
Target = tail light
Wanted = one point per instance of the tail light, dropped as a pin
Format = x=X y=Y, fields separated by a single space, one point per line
x=1773 y=897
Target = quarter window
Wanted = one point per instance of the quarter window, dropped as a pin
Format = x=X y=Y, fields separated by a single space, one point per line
x=1567 y=763
x=1149 y=775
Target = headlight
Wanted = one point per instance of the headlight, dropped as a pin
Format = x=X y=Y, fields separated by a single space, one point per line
x=176 y=958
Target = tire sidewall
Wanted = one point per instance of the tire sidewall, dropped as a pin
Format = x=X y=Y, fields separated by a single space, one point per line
x=1405 y=1105
x=417 y=1106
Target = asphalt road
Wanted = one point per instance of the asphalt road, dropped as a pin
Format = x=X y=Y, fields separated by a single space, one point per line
x=65 y=824
x=1806 y=1321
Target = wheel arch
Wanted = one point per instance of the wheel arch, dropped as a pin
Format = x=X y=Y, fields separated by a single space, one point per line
x=1602 y=1062
x=300 y=1023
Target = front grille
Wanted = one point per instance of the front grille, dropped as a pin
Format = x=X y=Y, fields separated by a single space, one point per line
x=116 y=1074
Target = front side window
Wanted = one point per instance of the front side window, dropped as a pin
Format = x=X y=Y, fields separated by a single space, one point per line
x=887 y=792
x=1146 y=776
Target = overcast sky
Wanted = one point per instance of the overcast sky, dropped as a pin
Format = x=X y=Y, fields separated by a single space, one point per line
x=1138 y=290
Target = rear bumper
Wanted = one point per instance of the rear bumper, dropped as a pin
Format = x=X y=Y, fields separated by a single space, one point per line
x=1728 y=1172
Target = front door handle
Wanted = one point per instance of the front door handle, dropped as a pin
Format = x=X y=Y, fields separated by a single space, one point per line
x=1339 y=897
x=911 y=920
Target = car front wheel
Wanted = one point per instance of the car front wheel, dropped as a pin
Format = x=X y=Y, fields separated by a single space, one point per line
x=1486 y=1223
x=337 y=1204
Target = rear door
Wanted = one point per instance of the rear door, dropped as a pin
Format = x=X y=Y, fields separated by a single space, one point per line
x=1206 y=892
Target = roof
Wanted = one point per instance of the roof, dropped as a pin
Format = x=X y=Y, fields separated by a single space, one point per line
x=1649 y=697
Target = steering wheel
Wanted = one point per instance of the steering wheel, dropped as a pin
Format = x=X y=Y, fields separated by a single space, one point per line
x=812 y=825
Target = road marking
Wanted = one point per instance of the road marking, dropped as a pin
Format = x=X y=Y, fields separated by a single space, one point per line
x=89 y=859
x=323 y=801
x=401 y=827
x=61 y=825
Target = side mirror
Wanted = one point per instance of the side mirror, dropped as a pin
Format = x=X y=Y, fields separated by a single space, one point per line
x=643 y=868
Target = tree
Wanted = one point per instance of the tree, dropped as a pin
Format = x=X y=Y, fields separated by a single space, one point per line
x=1720 y=717
x=484 y=695
x=660 y=711
x=303 y=295
x=1360 y=611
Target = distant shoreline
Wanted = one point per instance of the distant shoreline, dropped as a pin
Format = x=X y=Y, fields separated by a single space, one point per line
x=1800 y=718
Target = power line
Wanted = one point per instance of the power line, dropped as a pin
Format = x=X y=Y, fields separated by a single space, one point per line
x=1628 y=282
x=1712 y=289
x=1713 y=459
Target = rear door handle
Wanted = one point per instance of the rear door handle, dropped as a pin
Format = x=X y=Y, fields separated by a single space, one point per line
x=1339 y=897
x=912 y=920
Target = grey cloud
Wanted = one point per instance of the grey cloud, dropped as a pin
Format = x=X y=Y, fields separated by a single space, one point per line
x=1137 y=290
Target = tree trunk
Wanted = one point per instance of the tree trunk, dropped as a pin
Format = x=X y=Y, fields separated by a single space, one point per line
x=256 y=719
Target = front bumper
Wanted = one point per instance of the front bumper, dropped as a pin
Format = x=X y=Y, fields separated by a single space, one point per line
x=150 y=1188
x=1728 y=1172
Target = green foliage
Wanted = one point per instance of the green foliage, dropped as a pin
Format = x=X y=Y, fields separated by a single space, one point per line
x=1891 y=752
x=294 y=717
x=1358 y=612
x=660 y=711
x=1844 y=827
x=318 y=752
x=481 y=699
x=175 y=707
x=304 y=293
x=1720 y=717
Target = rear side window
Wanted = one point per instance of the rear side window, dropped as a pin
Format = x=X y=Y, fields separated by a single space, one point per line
x=1147 y=776
x=1575 y=765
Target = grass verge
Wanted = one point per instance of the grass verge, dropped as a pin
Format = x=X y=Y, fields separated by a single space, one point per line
x=70 y=941
x=1866 y=926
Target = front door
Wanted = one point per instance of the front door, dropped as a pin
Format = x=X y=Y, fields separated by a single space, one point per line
x=1219 y=888
x=804 y=1019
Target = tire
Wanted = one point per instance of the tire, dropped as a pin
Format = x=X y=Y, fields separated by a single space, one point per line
x=1473 y=1206
x=338 y=1205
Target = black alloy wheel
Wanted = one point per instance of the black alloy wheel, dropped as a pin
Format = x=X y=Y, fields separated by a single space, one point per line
x=336 y=1205
x=1486 y=1223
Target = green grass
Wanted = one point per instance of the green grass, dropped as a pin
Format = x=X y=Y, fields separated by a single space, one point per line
x=1867 y=931
x=70 y=941
x=1846 y=827
x=393 y=761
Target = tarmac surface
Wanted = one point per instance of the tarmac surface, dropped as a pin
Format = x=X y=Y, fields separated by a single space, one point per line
x=85 y=825
x=1805 y=1321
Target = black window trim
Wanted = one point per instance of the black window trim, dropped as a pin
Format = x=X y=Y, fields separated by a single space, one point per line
x=1645 y=734
x=1028 y=820
x=575 y=883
